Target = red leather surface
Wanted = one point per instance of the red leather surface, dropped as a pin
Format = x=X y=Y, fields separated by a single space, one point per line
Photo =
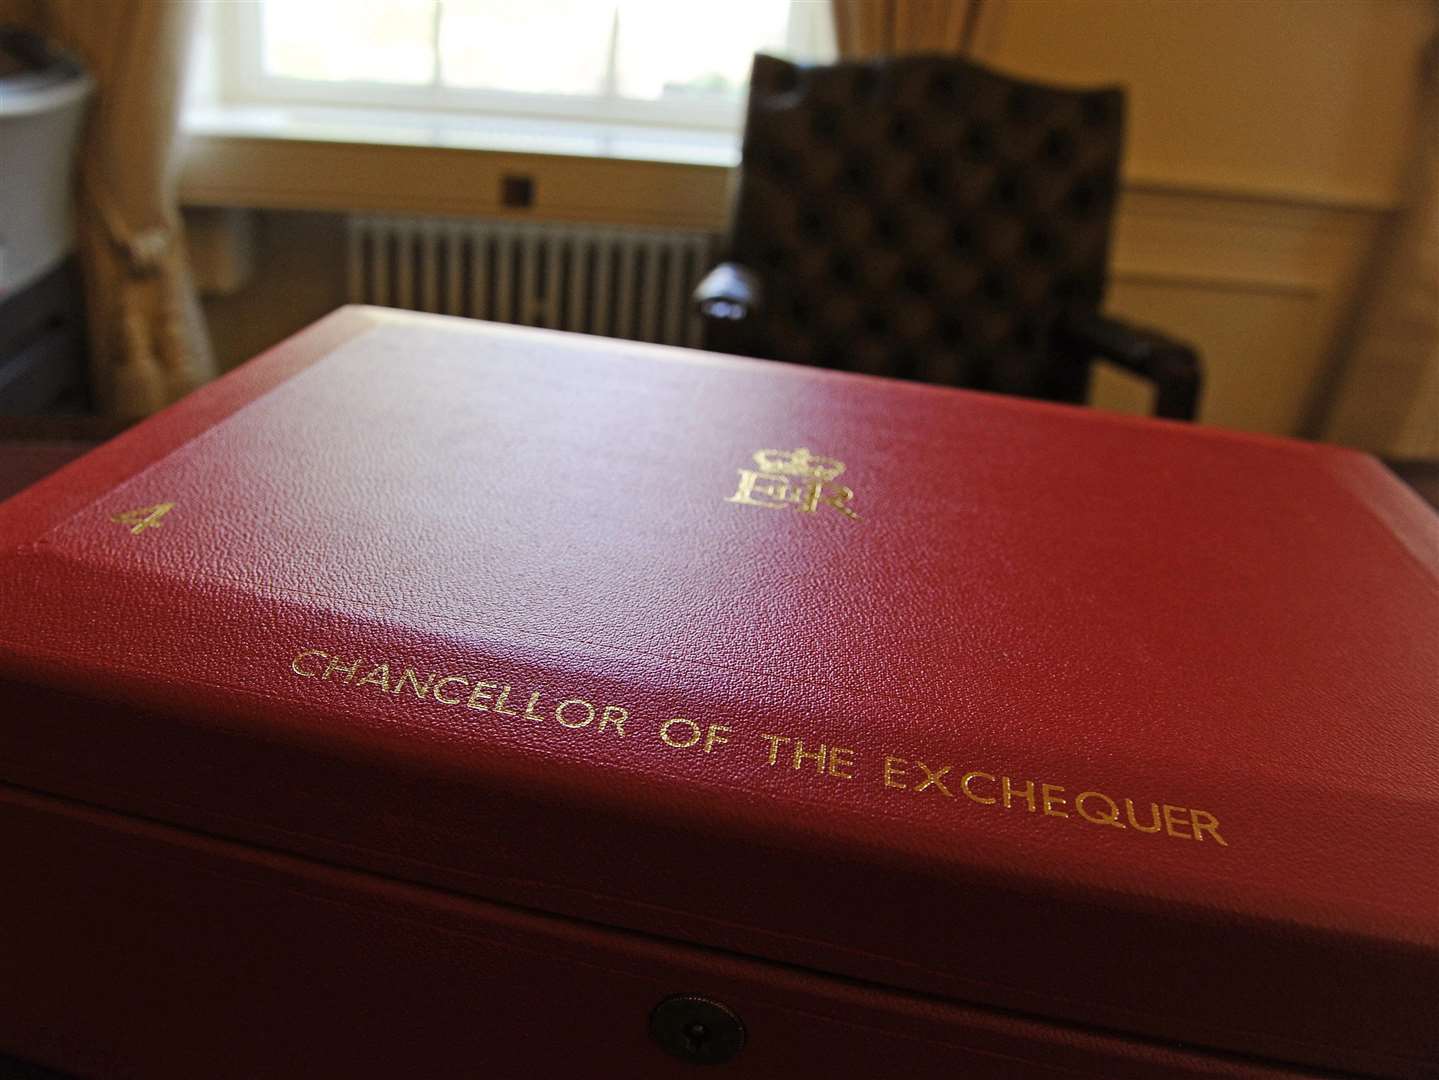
x=1239 y=625
x=135 y=950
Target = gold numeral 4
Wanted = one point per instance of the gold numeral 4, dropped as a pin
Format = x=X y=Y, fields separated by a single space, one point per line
x=146 y=517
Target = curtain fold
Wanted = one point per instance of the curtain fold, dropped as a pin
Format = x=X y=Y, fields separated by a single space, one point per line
x=148 y=344
x=872 y=28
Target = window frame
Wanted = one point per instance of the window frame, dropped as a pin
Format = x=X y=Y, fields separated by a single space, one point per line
x=240 y=80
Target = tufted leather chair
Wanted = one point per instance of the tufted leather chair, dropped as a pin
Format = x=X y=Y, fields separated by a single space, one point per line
x=927 y=218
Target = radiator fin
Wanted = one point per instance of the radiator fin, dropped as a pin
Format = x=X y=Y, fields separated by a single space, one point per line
x=621 y=282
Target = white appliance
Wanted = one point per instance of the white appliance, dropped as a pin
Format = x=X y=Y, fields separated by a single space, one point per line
x=42 y=336
x=42 y=99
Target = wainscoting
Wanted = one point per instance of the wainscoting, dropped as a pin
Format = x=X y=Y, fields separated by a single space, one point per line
x=1259 y=284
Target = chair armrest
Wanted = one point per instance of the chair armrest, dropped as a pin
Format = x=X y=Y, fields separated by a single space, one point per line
x=1171 y=365
x=730 y=291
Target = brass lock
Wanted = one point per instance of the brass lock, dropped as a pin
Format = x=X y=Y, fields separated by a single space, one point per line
x=697 y=1029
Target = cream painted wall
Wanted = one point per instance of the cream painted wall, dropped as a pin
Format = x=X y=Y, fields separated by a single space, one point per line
x=299 y=276
x=1302 y=98
x=1266 y=143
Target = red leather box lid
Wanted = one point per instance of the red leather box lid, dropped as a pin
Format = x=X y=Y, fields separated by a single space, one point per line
x=1123 y=723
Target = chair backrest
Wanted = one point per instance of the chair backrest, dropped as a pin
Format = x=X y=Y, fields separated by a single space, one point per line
x=926 y=217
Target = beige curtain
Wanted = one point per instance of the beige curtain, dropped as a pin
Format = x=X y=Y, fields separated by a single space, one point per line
x=148 y=344
x=870 y=28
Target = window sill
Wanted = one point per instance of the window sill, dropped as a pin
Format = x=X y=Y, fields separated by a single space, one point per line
x=309 y=158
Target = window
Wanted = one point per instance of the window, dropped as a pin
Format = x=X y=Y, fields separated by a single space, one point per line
x=670 y=63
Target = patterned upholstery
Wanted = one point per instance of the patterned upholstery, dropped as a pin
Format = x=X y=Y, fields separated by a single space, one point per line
x=926 y=218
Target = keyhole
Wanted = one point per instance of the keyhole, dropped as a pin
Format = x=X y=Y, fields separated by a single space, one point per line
x=697 y=1029
x=696 y=1035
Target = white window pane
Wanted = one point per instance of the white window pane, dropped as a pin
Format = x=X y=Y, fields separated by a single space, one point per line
x=531 y=46
x=695 y=51
x=387 y=41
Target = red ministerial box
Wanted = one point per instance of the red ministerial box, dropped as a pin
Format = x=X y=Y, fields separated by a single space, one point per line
x=442 y=697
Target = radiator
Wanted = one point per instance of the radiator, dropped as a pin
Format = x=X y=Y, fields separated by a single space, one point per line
x=614 y=280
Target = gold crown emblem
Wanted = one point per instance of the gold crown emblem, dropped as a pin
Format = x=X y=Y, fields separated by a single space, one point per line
x=798 y=463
